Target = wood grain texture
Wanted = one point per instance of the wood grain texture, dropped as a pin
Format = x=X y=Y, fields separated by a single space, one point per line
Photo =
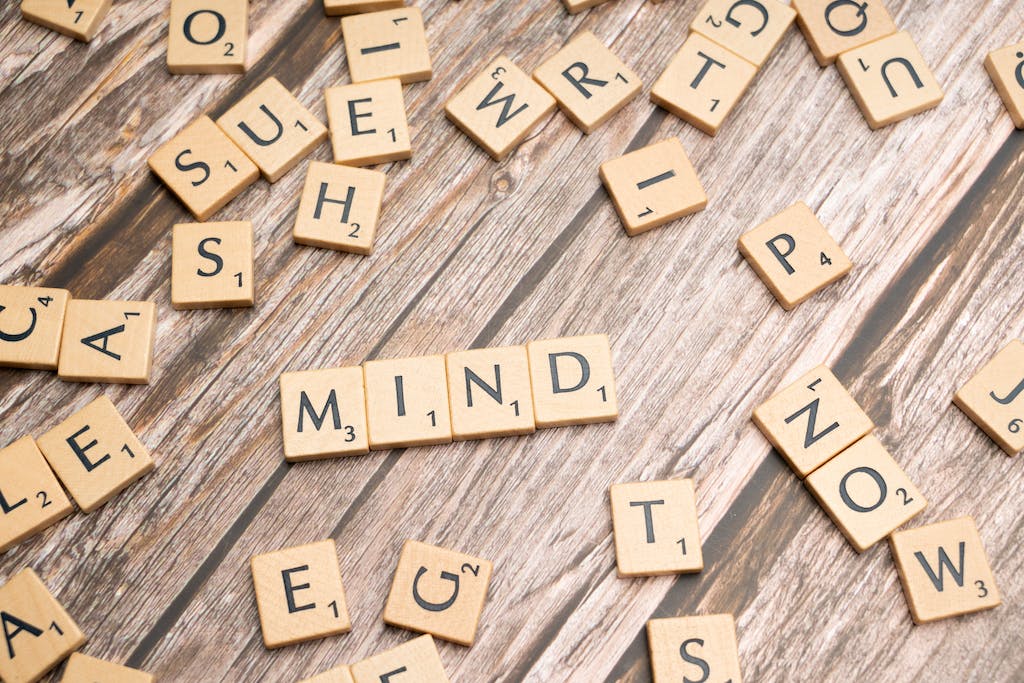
x=473 y=253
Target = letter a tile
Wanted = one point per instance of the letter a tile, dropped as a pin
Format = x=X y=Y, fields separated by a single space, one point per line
x=339 y=674
x=656 y=528
x=994 y=398
x=1006 y=69
x=79 y=19
x=750 y=28
x=207 y=36
x=31 y=323
x=573 y=381
x=689 y=648
x=30 y=497
x=323 y=414
x=368 y=123
x=339 y=208
x=107 y=341
x=85 y=669
x=832 y=27
x=388 y=44
x=407 y=402
x=416 y=660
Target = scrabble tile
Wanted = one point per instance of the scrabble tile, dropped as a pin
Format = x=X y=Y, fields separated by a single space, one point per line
x=299 y=594
x=577 y=6
x=832 y=28
x=335 y=8
x=339 y=674
x=812 y=420
x=499 y=107
x=656 y=530
x=273 y=128
x=573 y=381
x=866 y=493
x=85 y=669
x=416 y=660
x=388 y=44
x=107 y=341
x=207 y=36
x=653 y=185
x=31 y=322
x=1006 y=69
x=339 y=208
x=407 y=402
x=489 y=393
x=588 y=80
x=794 y=255
x=944 y=570
x=212 y=265
x=95 y=454
x=750 y=28
x=30 y=497
x=703 y=83
x=438 y=591
x=323 y=414
x=889 y=79
x=203 y=167
x=79 y=19
x=993 y=398
x=39 y=634
x=368 y=123
x=694 y=648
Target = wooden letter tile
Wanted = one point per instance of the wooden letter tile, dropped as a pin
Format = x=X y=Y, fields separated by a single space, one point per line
x=499 y=107
x=30 y=497
x=79 y=19
x=95 y=454
x=323 y=414
x=86 y=669
x=573 y=381
x=31 y=322
x=889 y=79
x=203 y=167
x=703 y=83
x=750 y=28
x=334 y=8
x=489 y=392
x=368 y=123
x=1006 y=69
x=340 y=207
x=299 y=594
x=39 y=633
x=589 y=81
x=273 y=128
x=693 y=649
x=339 y=674
x=207 y=36
x=812 y=420
x=832 y=28
x=212 y=265
x=407 y=402
x=993 y=398
x=794 y=255
x=577 y=6
x=438 y=591
x=653 y=185
x=388 y=44
x=656 y=528
x=944 y=570
x=416 y=660
x=865 y=492
x=107 y=341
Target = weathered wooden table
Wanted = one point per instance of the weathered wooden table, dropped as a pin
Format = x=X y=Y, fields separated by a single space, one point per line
x=475 y=253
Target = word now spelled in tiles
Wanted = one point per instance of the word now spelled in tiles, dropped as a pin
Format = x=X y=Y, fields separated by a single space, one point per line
x=299 y=594
x=573 y=381
x=339 y=207
x=1006 y=69
x=39 y=634
x=703 y=83
x=750 y=28
x=944 y=570
x=438 y=591
x=339 y=674
x=368 y=123
x=95 y=454
x=107 y=341
x=30 y=497
x=84 y=669
x=588 y=80
x=212 y=265
x=416 y=660
x=31 y=323
x=407 y=402
x=832 y=27
x=489 y=393
x=889 y=79
x=994 y=398
x=812 y=420
x=653 y=185
x=203 y=167
x=79 y=19
x=865 y=492
x=794 y=255
x=335 y=8
x=388 y=44
x=656 y=530
x=323 y=414
x=273 y=128
x=694 y=649
x=207 y=36
x=499 y=107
